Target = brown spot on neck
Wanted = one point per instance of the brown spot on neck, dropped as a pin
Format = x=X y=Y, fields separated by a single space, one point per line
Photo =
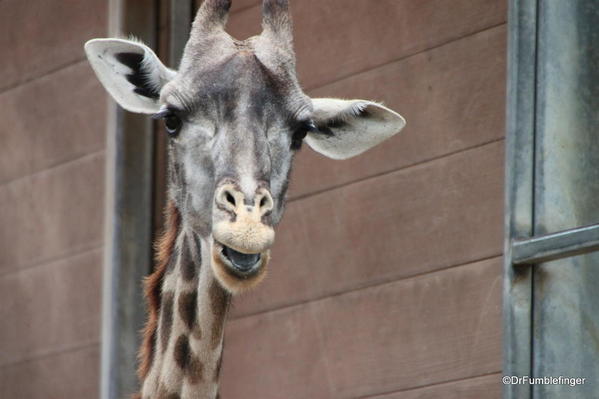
x=195 y=371
x=166 y=319
x=182 y=352
x=219 y=301
x=164 y=393
x=191 y=258
x=191 y=365
x=188 y=305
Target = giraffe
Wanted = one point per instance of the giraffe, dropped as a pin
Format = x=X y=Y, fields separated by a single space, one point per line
x=235 y=115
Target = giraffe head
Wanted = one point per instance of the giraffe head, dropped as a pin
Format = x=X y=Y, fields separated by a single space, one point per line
x=235 y=115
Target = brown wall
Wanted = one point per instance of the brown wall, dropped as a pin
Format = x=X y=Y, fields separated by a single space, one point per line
x=52 y=139
x=386 y=276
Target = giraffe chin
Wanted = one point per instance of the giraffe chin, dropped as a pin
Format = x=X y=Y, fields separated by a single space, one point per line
x=233 y=278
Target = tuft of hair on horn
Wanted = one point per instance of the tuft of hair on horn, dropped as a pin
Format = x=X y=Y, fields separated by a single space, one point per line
x=212 y=13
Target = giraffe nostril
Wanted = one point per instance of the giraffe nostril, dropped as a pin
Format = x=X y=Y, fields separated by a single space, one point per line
x=230 y=198
x=266 y=203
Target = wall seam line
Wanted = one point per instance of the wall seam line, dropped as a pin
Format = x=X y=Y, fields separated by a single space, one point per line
x=319 y=86
x=53 y=167
x=45 y=262
x=25 y=82
x=434 y=384
x=51 y=353
x=388 y=172
x=493 y=256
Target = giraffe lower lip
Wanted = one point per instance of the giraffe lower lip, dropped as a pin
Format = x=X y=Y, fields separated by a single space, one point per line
x=242 y=262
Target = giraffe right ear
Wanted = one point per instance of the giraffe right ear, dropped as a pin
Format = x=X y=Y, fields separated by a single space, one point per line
x=130 y=72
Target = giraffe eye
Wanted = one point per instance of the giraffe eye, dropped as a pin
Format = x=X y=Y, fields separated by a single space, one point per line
x=300 y=133
x=172 y=124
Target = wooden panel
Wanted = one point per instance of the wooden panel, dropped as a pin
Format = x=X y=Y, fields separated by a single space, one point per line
x=337 y=38
x=68 y=375
x=446 y=112
x=51 y=120
x=51 y=307
x=413 y=221
x=39 y=36
x=52 y=214
x=487 y=387
x=409 y=333
x=274 y=353
x=390 y=336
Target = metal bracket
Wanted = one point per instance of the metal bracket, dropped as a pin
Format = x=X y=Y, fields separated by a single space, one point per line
x=563 y=244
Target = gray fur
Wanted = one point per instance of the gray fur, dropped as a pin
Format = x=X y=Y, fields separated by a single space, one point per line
x=241 y=102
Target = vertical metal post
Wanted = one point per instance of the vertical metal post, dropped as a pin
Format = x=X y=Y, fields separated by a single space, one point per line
x=128 y=219
x=552 y=174
x=180 y=24
x=519 y=220
x=179 y=15
x=566 y=303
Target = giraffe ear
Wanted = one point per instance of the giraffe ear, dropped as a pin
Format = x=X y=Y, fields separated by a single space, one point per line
x=346 y=128
x=130 y=72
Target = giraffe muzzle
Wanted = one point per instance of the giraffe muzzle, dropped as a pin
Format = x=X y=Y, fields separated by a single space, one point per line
x=239 y=223
x=242 y=239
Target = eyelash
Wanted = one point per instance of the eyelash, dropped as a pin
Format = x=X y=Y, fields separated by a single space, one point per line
x=172 y=122
x=300 y=133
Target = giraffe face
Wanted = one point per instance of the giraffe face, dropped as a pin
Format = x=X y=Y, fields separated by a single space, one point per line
x=233 y=131
x=235 y=115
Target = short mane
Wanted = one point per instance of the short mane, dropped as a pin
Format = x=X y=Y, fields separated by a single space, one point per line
x=164 y=248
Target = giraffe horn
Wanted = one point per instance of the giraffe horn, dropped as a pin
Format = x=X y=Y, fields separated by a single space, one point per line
x=211 y=17
x=276 y=22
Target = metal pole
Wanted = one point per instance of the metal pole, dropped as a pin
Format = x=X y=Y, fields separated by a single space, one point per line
x=563 y=244
x=519 y=215
x=128 y=218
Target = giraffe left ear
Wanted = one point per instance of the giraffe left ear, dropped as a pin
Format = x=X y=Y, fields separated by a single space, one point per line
x=130 y=71
x=346 y=128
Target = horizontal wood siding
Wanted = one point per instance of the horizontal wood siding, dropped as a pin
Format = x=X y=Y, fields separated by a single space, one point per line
x=409 y=333
x=416 y=220
x=473 y=388
x=51 y=199
x=40 y=37
x=386 y=273
x=67 y=374
x=339 y=38
x=57 y=118
x=445 y=112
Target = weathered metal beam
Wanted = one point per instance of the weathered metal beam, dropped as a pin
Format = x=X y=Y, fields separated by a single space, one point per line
x=128 y=218
x=563 y=244
x=180 y=25
x=565 y=303
x=519 y=215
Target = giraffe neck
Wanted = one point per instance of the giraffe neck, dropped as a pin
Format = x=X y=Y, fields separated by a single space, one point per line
x=188 y=338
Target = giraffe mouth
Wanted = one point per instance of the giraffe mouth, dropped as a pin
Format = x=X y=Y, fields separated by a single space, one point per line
x=240 y=264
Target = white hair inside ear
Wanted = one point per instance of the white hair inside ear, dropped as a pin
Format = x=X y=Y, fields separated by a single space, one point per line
x=347 y=128
x=130 y=71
